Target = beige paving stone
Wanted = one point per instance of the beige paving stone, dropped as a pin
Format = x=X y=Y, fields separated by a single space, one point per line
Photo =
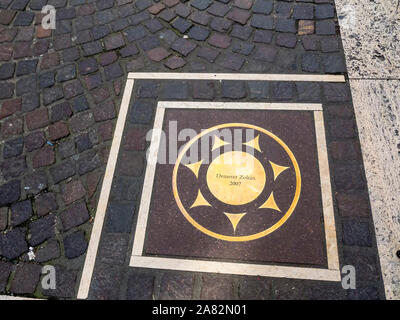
x=377 y=106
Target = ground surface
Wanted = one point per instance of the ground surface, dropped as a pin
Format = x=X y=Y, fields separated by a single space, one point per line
x=60 y=92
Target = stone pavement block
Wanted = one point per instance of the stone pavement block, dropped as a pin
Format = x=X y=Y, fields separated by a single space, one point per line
x=352 y=204
x=41 y=230
x=119 y=218
x=5 y=271
x=233 y=90
x=349 y=177
x=83 y=142
x=21 y=212
x=88 y=162
x=92 y=181
x=220 y=40
x=326 y=291
x=58 y=130
x=208 y=54
x=3 y=218
x=26 y=278
x=106 y=282
x=254 y=289
x=259 y=89
x=135 y=139
x=7 y=71
x=46 y=203
x=265 y=53
x=43 y=157
x=283 y=90
x=345 y=150
x=365 y=293
x=183 y=46
x=13 y=167
x=13 y=244
x=113 y=248
x=75 y=244
x=263 y=6
x=283 y=289
x=142 y=112
x=72 y=191
x=203 y=90
x=35 y=182
x=365 y=264
x=34 y=140
x=63 y=170
x=125 y=189
x=231 y=61
x=13 y=147
x=10 y=107
x=262 y=22
x=308 y=91
x=104 y=111
x=239 y=15
x=356 y=233
x=74 y=215
x=48 y=252
x=80 y=104
x=158 y=54
x=201 y=4
x=336 y=92
x=12 y=127
x=176 y=287
x=175 y=62
x=37 y=119
x=140 y=287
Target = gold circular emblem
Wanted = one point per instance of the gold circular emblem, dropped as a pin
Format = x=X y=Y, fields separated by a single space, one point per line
x=238 y=169
x=221 y=178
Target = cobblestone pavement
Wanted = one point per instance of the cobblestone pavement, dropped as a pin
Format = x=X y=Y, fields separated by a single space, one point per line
x=60 y=91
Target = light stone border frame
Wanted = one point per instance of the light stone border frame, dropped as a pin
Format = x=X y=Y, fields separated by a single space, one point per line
x=332 y=273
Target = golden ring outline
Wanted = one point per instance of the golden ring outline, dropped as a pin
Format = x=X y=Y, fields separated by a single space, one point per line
x=255 y=236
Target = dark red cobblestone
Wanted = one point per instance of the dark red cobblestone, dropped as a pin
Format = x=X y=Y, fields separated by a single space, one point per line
x=26 y=278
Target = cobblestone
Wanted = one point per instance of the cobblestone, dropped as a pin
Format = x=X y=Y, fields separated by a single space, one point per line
x=50 y=252
x=34 y=141
x=75 y=244
x=74 y=215
x=41 y=229
x=176 y=287
x=13 y=244
x=140 y=287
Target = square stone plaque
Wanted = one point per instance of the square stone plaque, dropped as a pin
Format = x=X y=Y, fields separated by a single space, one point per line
x=239 y=188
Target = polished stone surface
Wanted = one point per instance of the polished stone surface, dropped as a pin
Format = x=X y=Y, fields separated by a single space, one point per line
x=370 y=32
x=299 y=240
x=377 y=106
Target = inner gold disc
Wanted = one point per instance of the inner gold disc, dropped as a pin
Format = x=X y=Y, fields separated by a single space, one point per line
x=236 y=178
